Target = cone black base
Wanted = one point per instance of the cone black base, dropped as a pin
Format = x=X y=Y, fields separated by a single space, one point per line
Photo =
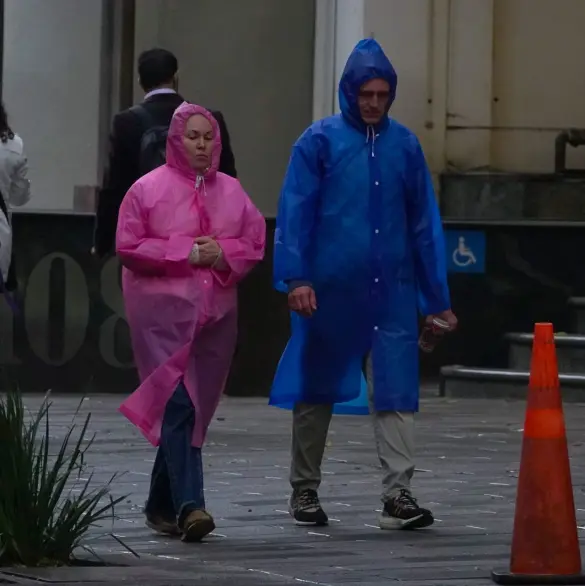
x=506 y=578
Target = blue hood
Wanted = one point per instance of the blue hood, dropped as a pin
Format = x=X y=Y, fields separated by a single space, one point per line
x=366 y=62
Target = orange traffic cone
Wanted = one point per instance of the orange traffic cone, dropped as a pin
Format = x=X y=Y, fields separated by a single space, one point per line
x=545 y=545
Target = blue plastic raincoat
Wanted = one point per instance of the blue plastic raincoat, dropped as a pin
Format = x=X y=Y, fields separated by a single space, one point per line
x=358 y=219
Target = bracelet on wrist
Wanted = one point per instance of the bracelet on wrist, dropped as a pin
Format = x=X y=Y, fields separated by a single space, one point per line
x=217 y=258
x=194 y=255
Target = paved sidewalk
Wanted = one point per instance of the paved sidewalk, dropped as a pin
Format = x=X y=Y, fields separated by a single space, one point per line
x=467 y=459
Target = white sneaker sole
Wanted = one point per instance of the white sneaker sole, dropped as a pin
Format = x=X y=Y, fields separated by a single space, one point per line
x=305 y=523
x=394 y=524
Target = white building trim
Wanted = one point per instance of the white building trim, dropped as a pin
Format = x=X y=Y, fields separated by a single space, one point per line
x=349 y=30
x=324 y=59
x=339 y=25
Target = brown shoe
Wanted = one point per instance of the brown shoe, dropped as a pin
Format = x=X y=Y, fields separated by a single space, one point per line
x=197 y=525
x=164 y=526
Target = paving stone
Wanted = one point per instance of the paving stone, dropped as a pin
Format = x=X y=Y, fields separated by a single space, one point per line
x=467 y=466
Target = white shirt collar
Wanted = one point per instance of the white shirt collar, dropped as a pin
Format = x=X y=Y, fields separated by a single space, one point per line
x=162 y=90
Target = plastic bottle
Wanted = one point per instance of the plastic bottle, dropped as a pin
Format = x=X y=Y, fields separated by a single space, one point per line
x=432 y=334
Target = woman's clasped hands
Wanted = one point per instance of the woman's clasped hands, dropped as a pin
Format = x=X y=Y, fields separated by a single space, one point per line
x=206 y=252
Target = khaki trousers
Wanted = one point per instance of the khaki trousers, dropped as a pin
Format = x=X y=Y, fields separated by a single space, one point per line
x=393 y=432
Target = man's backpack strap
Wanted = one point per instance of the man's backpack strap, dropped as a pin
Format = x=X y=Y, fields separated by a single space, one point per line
x=145 y=118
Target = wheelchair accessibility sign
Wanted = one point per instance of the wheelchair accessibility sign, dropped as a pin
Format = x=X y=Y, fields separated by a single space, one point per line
x=465 y=251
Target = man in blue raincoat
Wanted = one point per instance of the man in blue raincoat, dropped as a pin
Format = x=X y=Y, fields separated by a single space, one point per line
x=359 y=250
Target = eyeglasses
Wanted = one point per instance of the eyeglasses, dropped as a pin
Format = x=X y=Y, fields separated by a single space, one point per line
x=371 y=95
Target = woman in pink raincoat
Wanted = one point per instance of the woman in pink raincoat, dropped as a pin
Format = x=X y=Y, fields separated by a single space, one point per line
x=186 y=236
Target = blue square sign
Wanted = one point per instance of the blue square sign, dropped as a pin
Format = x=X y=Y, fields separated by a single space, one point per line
x=465 y=251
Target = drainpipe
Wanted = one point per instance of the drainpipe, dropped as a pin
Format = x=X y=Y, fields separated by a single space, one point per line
x=573 y=137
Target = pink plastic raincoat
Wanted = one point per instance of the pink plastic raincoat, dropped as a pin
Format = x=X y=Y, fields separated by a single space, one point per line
x=183 y=319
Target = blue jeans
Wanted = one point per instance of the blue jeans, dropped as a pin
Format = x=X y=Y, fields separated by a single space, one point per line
x=176 y=486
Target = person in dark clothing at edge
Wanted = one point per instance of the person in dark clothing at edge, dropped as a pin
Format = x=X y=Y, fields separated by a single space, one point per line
x=157 y=70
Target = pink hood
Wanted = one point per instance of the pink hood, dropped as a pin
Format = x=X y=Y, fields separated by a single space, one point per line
x=176 y=152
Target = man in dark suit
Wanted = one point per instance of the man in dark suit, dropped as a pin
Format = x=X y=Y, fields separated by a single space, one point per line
x=157 y=70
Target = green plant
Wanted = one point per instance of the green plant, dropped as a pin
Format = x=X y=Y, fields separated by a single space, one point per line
x=46 y=509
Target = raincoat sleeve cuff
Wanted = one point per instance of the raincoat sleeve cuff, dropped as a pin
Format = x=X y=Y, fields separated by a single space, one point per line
x=220 y=264
x=179 y=249
x=296 y=283
x=222 y=268
x=238 y=259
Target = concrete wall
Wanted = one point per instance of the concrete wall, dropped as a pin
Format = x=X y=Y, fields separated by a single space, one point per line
x=253 y=60
x=485 y=83
x=538 y=85
x=51 y=89
x=415 y=37
x=405 y=30
x=235 y=56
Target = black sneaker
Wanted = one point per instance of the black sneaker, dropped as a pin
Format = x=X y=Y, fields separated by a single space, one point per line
x=403 y=512
x=305 y=508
